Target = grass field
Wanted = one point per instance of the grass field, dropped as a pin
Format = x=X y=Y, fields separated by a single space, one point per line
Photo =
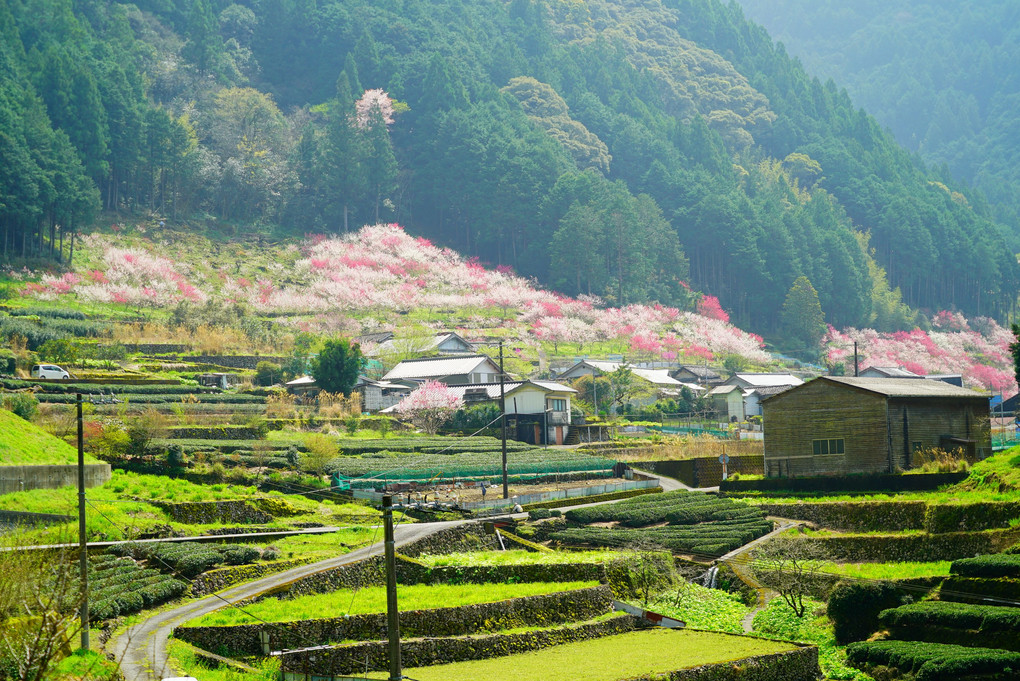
x=24 y=444
x=648 y=653
x=514 y=557
x=372 y=599
x=888 y=570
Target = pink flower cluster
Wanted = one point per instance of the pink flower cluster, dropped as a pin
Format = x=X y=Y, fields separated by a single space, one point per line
x=977 y=349
x=132 y=276
x=381 y=268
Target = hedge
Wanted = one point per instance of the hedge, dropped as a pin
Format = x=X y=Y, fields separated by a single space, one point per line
x=705 y=539
x=976 y=590
x=678 y=508
x=935 y=661
x=611 y=496
x=984 y=618
x=988 y=566
x=921 y=547
x=914 y=482
x=872 y=516
x=187 y=558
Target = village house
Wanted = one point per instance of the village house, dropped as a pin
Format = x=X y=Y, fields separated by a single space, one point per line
x=900 y=372
x=440 y=343
x=459 y=370
x=836 y=425
x=698 y=374
x=658 y=381
x=740 y=396
x=537 y=411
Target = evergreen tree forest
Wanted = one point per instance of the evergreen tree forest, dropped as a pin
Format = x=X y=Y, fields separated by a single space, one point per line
x=628 y=150
x=940 y=75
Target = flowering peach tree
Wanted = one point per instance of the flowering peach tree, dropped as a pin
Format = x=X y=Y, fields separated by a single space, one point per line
x=430 y=406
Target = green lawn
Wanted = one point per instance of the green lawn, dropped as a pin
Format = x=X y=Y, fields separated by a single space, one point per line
x=372 y=599
x=888 y=570
x=637 y=654
x=24 y=444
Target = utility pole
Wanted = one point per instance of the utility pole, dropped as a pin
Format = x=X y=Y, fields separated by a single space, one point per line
x=82 y=547
x=392 y=614
x=502 y=411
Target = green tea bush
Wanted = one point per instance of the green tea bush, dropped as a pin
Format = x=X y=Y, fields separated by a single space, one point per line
x=989 y=567
x=854 y=608
x=927 y=614
x=934 y=661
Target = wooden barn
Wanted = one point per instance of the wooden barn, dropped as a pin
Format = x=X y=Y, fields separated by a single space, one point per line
x=837 y=425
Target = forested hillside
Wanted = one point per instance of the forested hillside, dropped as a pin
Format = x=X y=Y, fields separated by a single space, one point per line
x=940 y=75
x=629 y=150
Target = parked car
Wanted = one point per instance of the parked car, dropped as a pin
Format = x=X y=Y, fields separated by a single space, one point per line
x=48 y=371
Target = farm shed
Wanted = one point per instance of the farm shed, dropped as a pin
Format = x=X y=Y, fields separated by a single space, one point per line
x=377 y=395
x=840 y=425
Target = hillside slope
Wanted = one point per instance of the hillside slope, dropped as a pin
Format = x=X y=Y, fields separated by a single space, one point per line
x=621 y=148
x=940 y=76
x=25 y=444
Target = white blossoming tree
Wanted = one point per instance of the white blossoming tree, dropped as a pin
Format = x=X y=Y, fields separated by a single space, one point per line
x=430 y=406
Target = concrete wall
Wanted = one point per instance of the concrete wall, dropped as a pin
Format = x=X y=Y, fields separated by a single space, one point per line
x=19 y=478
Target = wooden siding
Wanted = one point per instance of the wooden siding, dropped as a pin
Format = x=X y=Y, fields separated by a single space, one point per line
x=793 y=420
x=871 y=426
x=928 y=421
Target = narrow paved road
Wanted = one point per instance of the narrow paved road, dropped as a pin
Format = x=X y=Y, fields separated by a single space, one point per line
x=142 y=649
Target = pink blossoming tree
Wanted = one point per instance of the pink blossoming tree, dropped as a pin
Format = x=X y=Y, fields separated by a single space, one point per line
x=430 y=406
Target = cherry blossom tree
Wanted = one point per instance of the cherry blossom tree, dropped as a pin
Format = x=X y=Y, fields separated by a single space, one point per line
x=430 y=406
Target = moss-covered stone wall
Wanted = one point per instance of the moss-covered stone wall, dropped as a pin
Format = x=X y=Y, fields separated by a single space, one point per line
x=545 y=610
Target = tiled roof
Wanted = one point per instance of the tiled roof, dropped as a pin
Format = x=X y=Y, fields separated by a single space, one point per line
x=762 y=380
x=437 y=367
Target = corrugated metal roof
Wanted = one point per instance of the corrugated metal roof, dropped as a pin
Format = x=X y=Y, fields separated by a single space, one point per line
x=892 y=372
x=905 y=387
x=437 y=367
x=762 y=380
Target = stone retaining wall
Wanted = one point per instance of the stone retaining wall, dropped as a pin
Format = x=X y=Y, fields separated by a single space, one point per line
x=215 y=580
x=352 y=659
x=21 y=478
x=793 y=665
x=920 y=547
x=543 y=610
x=888 y=516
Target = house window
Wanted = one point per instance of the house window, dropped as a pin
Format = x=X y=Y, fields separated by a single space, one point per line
x=823 y=447
x=558 y=405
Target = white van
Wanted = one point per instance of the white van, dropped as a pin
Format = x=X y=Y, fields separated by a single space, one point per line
x=48 y=371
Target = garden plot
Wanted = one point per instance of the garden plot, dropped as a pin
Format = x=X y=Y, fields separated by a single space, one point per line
x=377 y=470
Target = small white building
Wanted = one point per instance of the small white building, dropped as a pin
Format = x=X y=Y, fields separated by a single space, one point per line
x=440 y=343
x=378 y=395
x=740 y=395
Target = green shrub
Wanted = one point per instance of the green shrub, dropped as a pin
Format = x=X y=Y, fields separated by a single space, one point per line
x=854 y=608
x=267 y=373
x=24 y=405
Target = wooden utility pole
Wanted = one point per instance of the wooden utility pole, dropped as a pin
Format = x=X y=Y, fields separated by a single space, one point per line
x=82 y=546
x=392 y=613
x=502 y=420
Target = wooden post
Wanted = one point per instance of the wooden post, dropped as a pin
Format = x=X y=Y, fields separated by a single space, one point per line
x=82 y=546
x=392 y=613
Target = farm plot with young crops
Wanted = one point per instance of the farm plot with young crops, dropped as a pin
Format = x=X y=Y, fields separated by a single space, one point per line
x=684 y=522
x=429 y=445
x=383 y=467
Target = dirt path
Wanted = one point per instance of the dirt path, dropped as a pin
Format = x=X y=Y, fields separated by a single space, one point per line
x=142 y=649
